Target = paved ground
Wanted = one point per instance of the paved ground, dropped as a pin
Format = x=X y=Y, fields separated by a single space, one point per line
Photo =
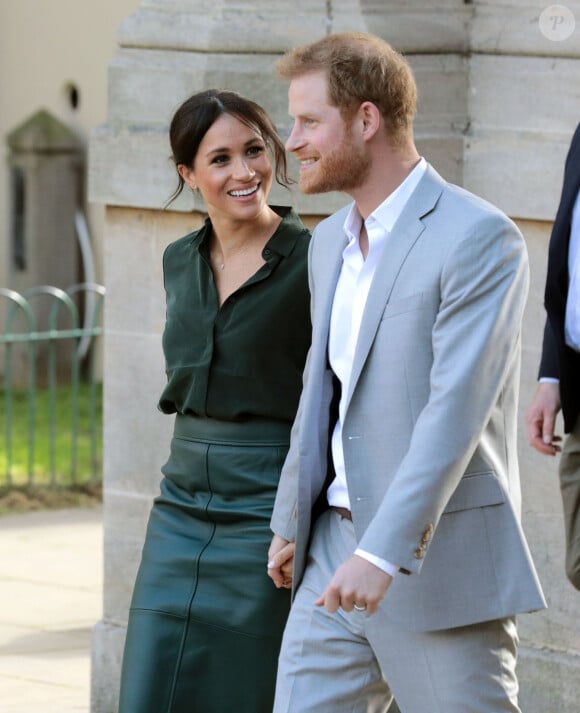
x=50 y=597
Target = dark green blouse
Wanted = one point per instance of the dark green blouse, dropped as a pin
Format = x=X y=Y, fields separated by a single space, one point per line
x=246 y=358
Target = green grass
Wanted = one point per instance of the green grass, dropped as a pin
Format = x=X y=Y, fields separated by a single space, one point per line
x=59 y=470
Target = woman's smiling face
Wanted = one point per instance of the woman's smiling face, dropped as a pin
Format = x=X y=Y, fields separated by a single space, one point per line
x=232 y=170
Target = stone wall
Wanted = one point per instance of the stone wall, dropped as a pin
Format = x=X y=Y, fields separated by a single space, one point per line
x=498 y=105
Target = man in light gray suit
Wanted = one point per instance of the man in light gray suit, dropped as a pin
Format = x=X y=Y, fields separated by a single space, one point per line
x=399 y=503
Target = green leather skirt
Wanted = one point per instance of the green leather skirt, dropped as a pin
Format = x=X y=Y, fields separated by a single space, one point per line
x=206 y=621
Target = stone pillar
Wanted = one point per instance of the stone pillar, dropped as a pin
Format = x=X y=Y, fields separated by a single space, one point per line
x=478 y=66
x=45 y=164
x=46 y=187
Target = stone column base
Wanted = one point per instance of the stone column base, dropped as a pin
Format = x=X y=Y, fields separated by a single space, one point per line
x=108 y=641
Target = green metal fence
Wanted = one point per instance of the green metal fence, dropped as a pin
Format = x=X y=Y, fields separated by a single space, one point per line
x=51 y=396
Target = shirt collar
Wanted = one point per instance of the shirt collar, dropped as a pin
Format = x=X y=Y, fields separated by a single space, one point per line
x=282 y=241
x=388 y=212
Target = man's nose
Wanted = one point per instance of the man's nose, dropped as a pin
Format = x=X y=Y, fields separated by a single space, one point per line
x=294 y=140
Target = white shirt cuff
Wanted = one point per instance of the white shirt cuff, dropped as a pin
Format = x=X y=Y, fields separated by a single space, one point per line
x=387 y=567
x=548 y=380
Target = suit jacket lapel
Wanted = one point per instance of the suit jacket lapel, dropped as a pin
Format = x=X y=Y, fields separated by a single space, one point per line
x=401 y=241
x=332 y=244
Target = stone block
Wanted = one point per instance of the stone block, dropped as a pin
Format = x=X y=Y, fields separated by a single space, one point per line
x=520 y=172
x=408 y=25
x=233 y=26
x=135 y=243
x=513 y=28
x=134 y=379
x=445 y=153
x=146 y=87
x=442 y=85
x=106 y=656
x=133 y=271
x=227 y=27
x=125 y=519
x=525 y=94
x=515 y=157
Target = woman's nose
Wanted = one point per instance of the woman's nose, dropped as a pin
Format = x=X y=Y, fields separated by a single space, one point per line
x=244 y=170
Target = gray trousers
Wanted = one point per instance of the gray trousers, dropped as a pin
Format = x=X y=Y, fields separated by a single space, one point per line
x=355 y=662
x=570 y=489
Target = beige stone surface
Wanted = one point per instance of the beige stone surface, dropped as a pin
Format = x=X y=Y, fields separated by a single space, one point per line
x=512 y=27
x=523 y=112
x=107 y=654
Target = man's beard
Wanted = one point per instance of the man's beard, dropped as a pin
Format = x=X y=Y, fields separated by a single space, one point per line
x=344 y=169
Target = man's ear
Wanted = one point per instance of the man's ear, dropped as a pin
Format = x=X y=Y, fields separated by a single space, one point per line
x=370 y=118
x=187 y=175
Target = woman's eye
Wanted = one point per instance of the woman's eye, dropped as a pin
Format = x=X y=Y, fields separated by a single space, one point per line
x=220 y=158
x=255 y=150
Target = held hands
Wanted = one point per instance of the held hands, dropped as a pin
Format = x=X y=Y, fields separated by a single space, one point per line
x=356 y=584
x=281 y=562
x=541 y=419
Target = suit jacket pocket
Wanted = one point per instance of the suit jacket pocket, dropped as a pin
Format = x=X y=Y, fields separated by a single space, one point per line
x=409 y=304
x=476 y=490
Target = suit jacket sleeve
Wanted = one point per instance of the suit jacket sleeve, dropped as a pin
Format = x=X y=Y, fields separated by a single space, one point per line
x=475 y=343
x=283 y=521
x=557 y=260
x=549 y=362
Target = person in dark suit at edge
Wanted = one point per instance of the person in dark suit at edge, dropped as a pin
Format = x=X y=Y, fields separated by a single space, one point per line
x=559 y=374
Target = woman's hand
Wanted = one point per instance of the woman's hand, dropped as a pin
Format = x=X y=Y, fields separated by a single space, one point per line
x=281 y=562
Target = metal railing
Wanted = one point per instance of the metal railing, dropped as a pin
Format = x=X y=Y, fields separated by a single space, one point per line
x=50 y=397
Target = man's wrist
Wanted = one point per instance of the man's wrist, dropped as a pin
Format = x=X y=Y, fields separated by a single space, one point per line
x=386 y=566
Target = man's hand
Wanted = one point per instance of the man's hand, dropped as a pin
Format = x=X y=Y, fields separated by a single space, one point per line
x=356 y=583
x=541 y=419
x=281 y=562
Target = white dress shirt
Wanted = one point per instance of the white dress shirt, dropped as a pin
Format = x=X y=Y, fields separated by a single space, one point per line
x=572 y=324
x=347 y=311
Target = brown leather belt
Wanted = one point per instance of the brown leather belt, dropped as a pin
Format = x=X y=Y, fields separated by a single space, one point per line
x=343 y=512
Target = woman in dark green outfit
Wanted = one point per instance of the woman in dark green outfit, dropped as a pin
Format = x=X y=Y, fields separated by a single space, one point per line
x=206 y=621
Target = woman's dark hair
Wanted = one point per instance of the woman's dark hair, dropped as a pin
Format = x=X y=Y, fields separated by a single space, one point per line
x=197 y=114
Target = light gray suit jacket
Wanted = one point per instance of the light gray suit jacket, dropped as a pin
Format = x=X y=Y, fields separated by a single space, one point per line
x=429 y=432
